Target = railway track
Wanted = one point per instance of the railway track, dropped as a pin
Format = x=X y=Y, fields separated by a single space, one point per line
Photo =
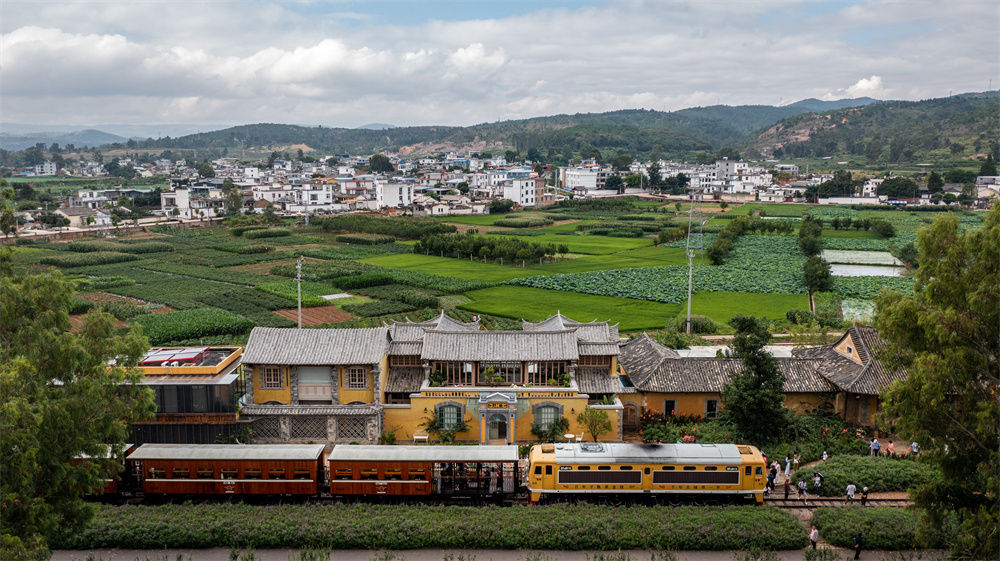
x=818 y=502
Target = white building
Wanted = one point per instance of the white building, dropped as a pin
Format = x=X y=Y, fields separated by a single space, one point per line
x=192 y=202
x=47 y=168
x=521 y=191
x=393 y=195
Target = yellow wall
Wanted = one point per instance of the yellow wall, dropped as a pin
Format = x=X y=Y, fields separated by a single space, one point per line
x=347 y=396
x=283 y=395
x=803 y=402
x=687 y=403
x=841 y=348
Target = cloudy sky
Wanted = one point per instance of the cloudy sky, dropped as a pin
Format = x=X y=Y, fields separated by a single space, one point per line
x=463 y=62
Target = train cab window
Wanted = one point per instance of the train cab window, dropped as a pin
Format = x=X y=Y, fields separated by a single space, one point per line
x=157 y=473
x=416 y=474
x=548 y=470
x=394 y=474
x=625 y=468
x=603 y=468
x=668 y=468
x=748 y=470
x=711 y=468
x=276 y=473
x=758 y=471
x=369 y=473
x=204 y=473
x=689 y=468
x=228 y=473
x=343 y=474
x=301 y=473
x=180 y=473
x=583 y=468
x=252 y=473
x=538 y=470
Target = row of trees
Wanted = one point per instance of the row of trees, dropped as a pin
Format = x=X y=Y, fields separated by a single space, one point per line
x=486 y=247
x=725 y=240
x=815 y=271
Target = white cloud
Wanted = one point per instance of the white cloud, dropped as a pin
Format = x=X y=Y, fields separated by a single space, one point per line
x=221 y=61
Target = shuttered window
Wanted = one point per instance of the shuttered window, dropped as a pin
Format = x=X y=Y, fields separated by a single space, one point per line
x=271 y=378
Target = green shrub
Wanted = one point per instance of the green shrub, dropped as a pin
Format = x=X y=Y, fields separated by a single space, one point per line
x=419 y=298
x=577 y=527
x=267 y=233
x=187 y=324
x=122 y=309
x=240 y=230
x=523 y=221
x=878 y=473
x=241 y=248
x=880 y=527
x=100 y=283
x=801 y=317
x=134 y=247
x=80 y=306
x=405 y=227
x=365 y=239
x=311 y=292
x=701 y=325
x=378 y=308
x=67 y=260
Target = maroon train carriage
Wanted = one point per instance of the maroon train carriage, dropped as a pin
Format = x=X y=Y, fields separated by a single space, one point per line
x=484 y=471
x=110 y=485
x=229 y=469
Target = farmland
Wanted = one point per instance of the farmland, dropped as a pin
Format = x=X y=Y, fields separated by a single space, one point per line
x=594 y=274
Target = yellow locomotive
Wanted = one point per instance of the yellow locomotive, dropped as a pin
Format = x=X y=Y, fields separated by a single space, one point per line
x=733 y=471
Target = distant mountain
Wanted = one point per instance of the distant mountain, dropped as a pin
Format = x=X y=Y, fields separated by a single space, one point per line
x=377 y=126
x=142 y=131
x=80 y=138
x=890 y=131
x=639 y=132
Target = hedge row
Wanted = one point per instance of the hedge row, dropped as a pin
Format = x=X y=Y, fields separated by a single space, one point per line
x=87 y=259
x=240 y=248
x=139 y=247
x=267 y=233
x=522 y=222
x=880 y=527
x=877 y=473
x=187 y=324
x=368 y=526
x=406 y=227
x=378 y=308
x=365 y=239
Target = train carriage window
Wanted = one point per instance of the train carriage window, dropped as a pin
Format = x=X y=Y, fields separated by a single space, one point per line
x=228 y=472
x=711 y=468
x=181 y=473
x=301 y=473
x=369 y=474
x=603 y=468
x=667 y=468
x=689 y=468
x=624 y=468
x=276 y=473
x=548 y=470
x=157 y=473
x=252 y=473
x=205 y=473
x=759 y=471
x=538 y=470
x=583 y=468
x=343 y=474
x=417 y=474
x=748 y=470
x=394 y=474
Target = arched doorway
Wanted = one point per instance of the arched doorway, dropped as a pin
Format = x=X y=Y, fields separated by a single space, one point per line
x=630 y=418
x=496 y=424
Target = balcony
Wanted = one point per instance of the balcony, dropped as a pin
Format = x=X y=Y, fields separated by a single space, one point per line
x=316 y=392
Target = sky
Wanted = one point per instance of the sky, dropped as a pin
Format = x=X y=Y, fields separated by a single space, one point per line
x=346 y=64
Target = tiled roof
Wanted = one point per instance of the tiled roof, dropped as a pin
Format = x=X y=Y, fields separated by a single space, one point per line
x=866 y=379
x=405 y=348
x=597 y=349
x=708 y=375
x=594 y=382
x=405 y=379
x=414 y=331
x=594 y=331
x=500 y=345
x=292 y=346
x=641 y=356
x=838 y=369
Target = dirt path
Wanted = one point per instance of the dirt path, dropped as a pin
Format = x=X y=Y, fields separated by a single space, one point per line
x=316 y=315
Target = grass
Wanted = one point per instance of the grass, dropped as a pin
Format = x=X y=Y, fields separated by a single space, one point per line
x=852 y=234
x=588 y=245
x=643 y=257
x=475 y=219
x=458 y=268
x=786 y=210
x=535 y=304
x=722 y=306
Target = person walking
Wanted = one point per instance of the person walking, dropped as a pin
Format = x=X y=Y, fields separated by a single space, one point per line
x=825 y=455
x=802 y=490
x=857 y=546
x=851 y=489
x=914 y=449
x=864 y=496
x=890 y=450
x=795 y=462
x=788 y=466
x=814 y=536
x=876 y=446
x=871 y=447
x=788 y=487
x=817 y=481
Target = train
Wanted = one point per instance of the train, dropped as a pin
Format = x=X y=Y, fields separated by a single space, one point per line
x=601 y=471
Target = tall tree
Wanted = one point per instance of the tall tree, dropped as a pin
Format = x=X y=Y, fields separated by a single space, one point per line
x=614 y=182
x=935 y=184
x=947 y=337
x=989 y=167
x=809 y=233
x=655 y=178
x=380 y=163
x=62 y=396
x=816 y=275
x=206 y=170
x=621 y=162
x=753 y=398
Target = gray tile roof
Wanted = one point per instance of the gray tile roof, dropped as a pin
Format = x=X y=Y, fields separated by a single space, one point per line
x=597 y=349
x=683 y=375
x=414 y=331
x=320 y=347
x=641 y=356
x=873 y=375
x=594 y=331
x=594 y=382
x=500 y=345
x=405 y=348
x=405 y=379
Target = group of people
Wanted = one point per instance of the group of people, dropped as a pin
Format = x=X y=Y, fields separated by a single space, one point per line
x=852 y=489
x=875 y=448
x=814 y=538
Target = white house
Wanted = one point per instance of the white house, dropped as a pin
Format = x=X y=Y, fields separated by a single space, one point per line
x=393 y=195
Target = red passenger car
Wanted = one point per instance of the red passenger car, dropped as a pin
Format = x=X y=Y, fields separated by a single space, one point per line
x=423 y=470
x=110 y=485
x=229 y=469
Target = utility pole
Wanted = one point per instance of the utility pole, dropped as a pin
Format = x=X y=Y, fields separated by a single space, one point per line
x=690 y=256
x=298 y=283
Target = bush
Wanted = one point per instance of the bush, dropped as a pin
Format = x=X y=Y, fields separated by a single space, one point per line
x=877 y=473
x=241 y=248
x=267 y=233
x=880 y=527
x=577 y=527
x=87 y=259
x=122 y=309
x=699 y=324
x=801 y=317
x=188 y=324
x=523 y=221
x=137 y=247
x=378 y=308
x=406 y=227
x=80 y=306
x=365 y=239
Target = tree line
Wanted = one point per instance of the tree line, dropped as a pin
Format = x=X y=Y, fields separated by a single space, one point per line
x=486 y=247
x=725 y=240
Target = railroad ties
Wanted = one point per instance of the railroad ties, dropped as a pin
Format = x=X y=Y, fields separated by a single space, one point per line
x=814 y=502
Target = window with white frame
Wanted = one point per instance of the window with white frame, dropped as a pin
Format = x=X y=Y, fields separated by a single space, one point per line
x=271 y=378
x=357 y=378
x=545 y=416
x=449 y=416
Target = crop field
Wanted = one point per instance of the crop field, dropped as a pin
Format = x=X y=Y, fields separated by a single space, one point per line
x=448 y=266
x=770 y=209
x=533 y=304
x=588 y=245
x=722 y=306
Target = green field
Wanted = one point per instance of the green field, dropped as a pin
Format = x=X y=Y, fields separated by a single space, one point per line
x=851 y=234
x=535 y=304
x=587 y=245
x=722 y=306
x=771 y=209
x=459 y=268
x=475 y=219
